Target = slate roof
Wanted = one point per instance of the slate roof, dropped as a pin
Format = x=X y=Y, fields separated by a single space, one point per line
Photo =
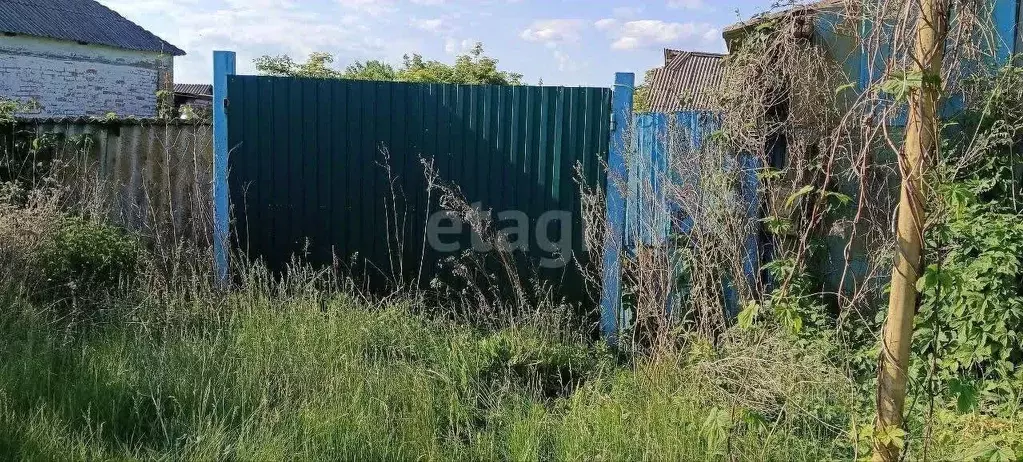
x=80 y=21
x=198 y=89
x=688 y=82
x=118 y=122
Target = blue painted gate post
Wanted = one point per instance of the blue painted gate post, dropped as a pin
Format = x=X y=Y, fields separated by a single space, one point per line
x=621 y=119
x=223 y=66
x=1006 y=15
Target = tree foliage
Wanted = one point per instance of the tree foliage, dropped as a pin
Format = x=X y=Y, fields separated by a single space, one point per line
x=641 y=99
x=473 y=67
x=318 y=66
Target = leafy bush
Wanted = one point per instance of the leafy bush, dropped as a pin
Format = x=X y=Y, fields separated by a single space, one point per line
x=971 y=311
x=84 y=259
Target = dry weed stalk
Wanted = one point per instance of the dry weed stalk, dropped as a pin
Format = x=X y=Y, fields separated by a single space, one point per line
x=688 y=230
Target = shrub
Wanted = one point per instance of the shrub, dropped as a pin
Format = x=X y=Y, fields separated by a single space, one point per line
x=968 y=329
x=84 y=259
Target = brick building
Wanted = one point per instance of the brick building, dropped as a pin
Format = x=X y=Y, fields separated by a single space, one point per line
x=71 y=58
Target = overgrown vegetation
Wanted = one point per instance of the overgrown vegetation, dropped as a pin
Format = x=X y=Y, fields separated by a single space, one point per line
x=827 y=144
x=306 y=367
x=115 y=345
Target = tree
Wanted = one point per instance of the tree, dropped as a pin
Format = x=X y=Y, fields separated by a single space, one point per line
x=641 y=99
x=318 y=66
x=473 y=67
x=920 y=143
x=370 y=70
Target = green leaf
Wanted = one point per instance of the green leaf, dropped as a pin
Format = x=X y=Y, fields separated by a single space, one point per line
x=842 y=198
x=767 y=26
x=892 y=435
x=769 y=174
x=929 y=279
x=845 y=87
x=900 y=84
x=776 y=224
x=966 y=394
x=715 y=427
x=754 y=419
x=796 y=195
x=749 y=315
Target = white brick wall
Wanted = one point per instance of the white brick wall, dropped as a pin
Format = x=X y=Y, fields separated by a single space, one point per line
x=68 y=79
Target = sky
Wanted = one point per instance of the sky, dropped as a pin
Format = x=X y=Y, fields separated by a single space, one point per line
x=562 y=42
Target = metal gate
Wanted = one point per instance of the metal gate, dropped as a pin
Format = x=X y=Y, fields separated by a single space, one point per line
x=308 y=173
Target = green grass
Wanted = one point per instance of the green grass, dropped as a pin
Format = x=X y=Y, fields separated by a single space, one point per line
x=274 y=379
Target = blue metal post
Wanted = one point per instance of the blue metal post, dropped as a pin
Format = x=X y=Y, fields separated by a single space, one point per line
x=750 y=165
x=621 y=113
x=223 y=66
x=1005 y=18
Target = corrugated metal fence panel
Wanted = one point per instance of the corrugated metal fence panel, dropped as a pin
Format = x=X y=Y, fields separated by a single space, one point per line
x=149 y=175
x=666 y=189
x=646 y=220
x=664 y=173
x=308 y=169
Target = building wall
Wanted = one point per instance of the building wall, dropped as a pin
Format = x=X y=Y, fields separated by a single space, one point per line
x=68 y=79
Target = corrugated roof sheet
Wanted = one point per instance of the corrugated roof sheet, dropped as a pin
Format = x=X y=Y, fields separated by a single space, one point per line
x=117 y=122
x=80 y=21
x=199 y=89
x=689 y=81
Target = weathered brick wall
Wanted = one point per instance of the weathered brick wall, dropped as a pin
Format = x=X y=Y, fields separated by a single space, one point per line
x=67 y=79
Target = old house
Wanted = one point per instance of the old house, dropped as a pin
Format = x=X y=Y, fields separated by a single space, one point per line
x=688 y=81
x=193 y=94
x=72 y=58
x=193 y=100
x=814 y=107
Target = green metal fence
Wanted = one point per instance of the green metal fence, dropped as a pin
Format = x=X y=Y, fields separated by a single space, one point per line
x=307 y=173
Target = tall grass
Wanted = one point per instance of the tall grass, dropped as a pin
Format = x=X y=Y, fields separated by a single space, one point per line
x=302 y=377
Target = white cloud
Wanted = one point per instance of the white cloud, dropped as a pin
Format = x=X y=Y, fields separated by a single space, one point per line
x=626 y=12
x=428 y=2
x=261 y=4
x=453 y=46
x=645 y=33
x=606 y=24
x=434 y=25
x=565 y=62
x=554 y=31
x=133 y=9
x=256 y=27
x=370 y=7
x=687 y=4
x=712 y=35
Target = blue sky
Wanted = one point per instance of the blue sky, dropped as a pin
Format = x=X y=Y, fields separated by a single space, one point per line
x=566 y=42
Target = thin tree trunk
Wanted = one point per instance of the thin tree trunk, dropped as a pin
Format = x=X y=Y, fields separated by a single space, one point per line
x=921 y=141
